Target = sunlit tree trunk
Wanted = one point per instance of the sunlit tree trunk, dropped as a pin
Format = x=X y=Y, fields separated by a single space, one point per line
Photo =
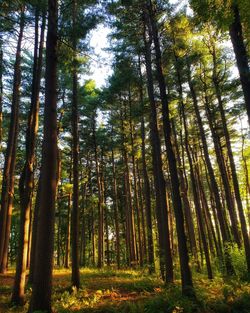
x=213 y=183
x=10 y=155
x=187 y=284
x=243 y=224
x=235 y=31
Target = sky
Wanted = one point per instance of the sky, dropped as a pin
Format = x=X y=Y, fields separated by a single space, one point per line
x=100 y=61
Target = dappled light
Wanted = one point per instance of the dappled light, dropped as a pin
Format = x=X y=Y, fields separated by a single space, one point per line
x=124 y=156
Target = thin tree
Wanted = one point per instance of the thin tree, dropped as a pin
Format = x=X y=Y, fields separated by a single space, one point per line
x=26 y=180
x=75 y=210
x=10 y=154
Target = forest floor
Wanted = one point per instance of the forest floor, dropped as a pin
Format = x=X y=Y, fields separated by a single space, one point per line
x=126 y=291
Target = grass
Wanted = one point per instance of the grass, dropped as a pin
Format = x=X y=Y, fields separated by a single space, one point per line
x=127 y=291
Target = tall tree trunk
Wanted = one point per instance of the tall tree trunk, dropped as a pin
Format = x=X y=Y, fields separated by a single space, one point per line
x=141 y=212
x=207 y=214
x=26 y=182
x=75 y=277
x=146 y=185
x=231 y=160
x=244 y=159
x=235 y=31
x=10 y=155
x=222 y=167
x=115 y=205
x=187 y=284
x=42 y=286
x=1 y=91
x=34 y=232
x=136 y=200
x=100 y=200
x=186 y=204
x=130 y=223
x=68 y=231
x=213 y=183
x=166 y=263
x=197 y=203
x=196 y=196
x=105 y=208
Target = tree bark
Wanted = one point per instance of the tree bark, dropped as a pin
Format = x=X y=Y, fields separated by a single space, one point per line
x=235 y=31
x=42 y=286
x=10 y=155
x=115 y=205
x=187 y=284
x=1 y=91
x=222 y=167
x=166 y=263
x=213 y=183
x=100 y=200
x=26 y=183
x=231 y=160
x=75 y=277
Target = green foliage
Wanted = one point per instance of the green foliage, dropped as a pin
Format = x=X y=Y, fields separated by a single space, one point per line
x=239 y=262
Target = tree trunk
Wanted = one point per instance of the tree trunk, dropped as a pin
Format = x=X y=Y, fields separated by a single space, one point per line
x=75 y=277
x=68 y=231
x=235 y=31
x=141 y=212
x=186 y=204
x=115 y=205
x=231 y=160
x=187 y=284
x=42 y=286
x=196 y=196
x=1 y=91
x=26 y=182
x=213 y=183
x=166 y=263
x=224 y=175
x=100 y=200
x=146 y=185
x=10 y=156
x=34 y=232
x=136 y=200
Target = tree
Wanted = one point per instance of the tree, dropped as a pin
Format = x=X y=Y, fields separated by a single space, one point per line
x=27 y=178
x=10 y=155
x=42 y=285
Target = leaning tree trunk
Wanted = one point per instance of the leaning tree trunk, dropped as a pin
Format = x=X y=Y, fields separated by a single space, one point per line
x=10 y=156
x=196 y=198
x=213 y=183
x=223 y=171
x=231 y=161
x=42 y=285
x=240 y=51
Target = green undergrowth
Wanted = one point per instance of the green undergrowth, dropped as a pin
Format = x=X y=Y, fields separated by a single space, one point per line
x=126 y=291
